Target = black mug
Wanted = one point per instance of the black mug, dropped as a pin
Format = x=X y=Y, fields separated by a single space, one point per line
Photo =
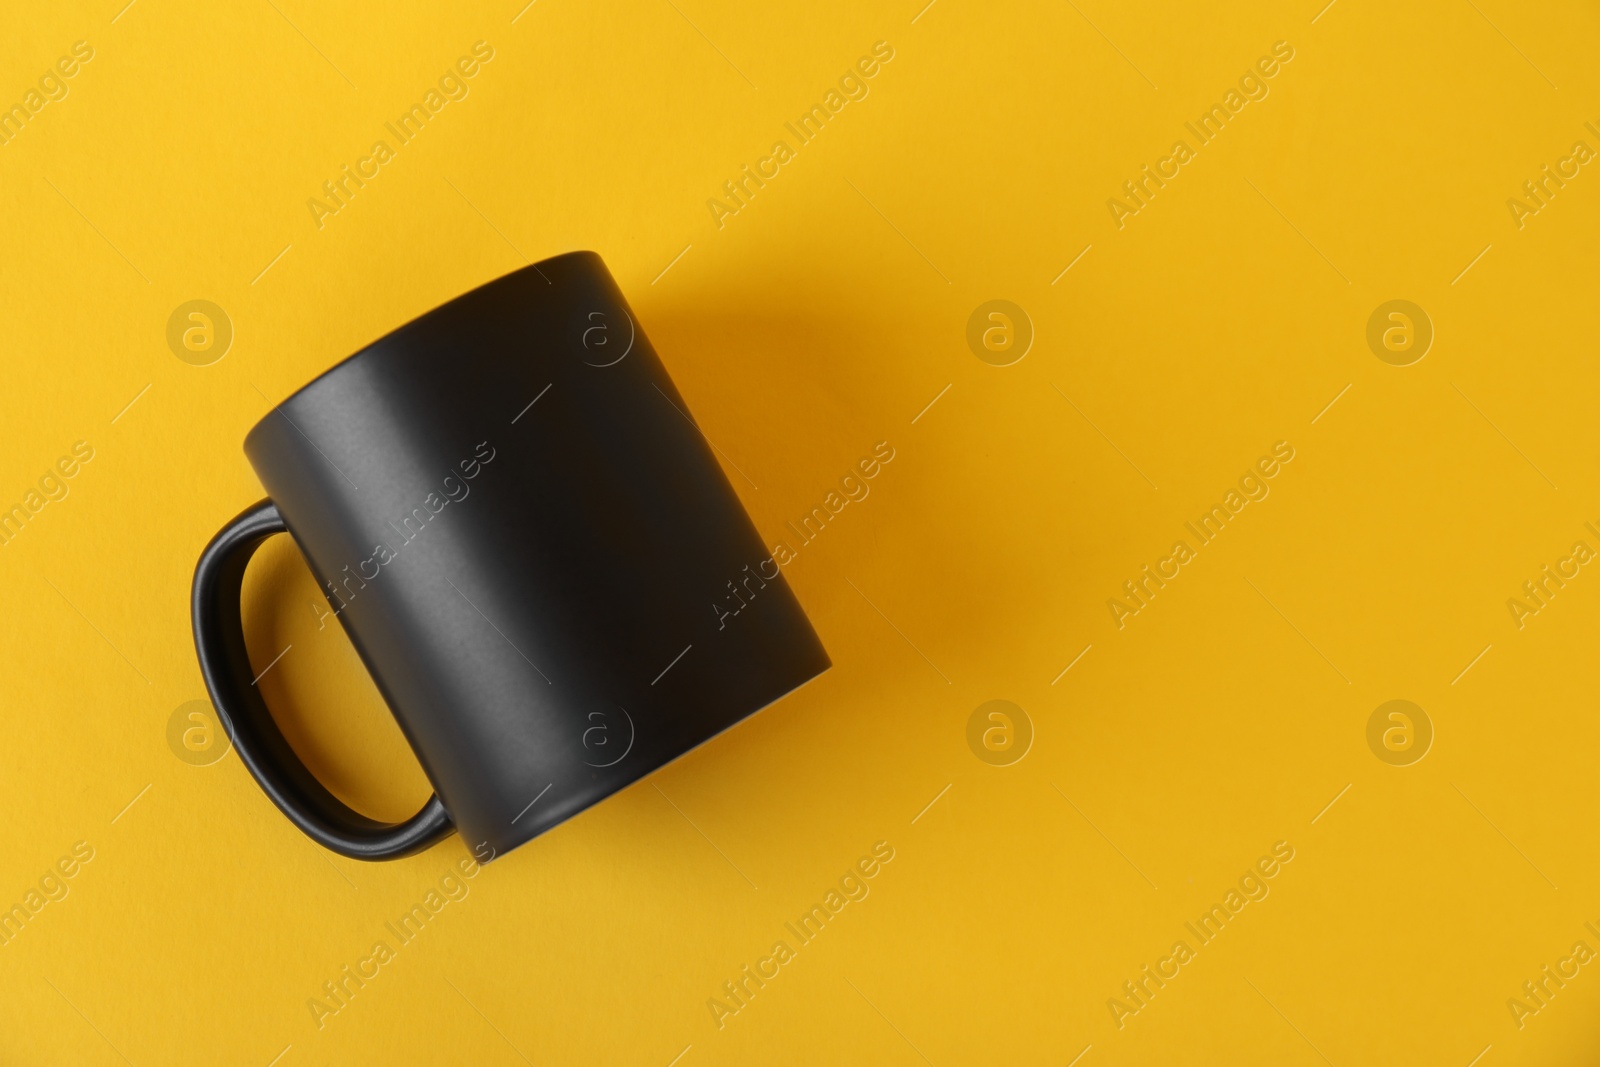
x=534 y=551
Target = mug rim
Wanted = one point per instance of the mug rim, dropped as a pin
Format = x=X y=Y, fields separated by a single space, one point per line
x=409 y=324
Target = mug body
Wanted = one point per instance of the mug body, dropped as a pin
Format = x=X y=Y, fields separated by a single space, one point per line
x=533 y=548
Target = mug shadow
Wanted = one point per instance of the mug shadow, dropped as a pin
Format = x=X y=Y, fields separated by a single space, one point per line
x=792 y=392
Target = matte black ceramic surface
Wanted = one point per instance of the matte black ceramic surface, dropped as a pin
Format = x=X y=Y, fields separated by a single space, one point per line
x=524 y=535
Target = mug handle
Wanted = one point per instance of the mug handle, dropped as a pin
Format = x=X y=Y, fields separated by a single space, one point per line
x=225 y=665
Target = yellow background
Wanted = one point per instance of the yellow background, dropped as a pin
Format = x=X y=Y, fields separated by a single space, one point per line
x=821 y=319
